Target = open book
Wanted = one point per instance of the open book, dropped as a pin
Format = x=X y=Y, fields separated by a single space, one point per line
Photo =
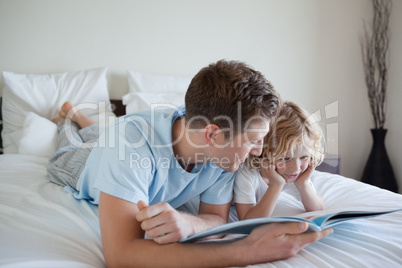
x=316 y=223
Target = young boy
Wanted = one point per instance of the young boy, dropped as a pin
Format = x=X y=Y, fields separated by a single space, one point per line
x=158 y=160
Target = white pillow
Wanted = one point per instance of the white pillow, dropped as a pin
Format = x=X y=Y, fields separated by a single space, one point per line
x=39 y=136
x=146 y=89
x=144 y=82
x=136 y=102
x=45 y=94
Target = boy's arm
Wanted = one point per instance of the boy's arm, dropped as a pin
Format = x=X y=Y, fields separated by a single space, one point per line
x=264 y=208
x=309 y=197
x=266 y=205
x=124 y=245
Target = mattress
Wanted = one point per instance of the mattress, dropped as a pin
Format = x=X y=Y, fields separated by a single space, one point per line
x=41 y=225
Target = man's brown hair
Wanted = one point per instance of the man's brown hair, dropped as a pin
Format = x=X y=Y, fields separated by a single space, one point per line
x=229 y=94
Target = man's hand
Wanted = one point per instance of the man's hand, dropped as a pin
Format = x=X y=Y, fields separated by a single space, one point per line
x=277 y=241
x=163 y=223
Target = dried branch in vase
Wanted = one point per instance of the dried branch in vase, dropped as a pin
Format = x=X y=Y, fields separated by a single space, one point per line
x=376 y=60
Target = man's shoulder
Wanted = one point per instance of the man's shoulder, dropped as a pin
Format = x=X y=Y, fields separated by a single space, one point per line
x=150 y=129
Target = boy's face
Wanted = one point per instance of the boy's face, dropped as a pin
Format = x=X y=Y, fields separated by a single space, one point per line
x=293 y=164
x=230 y=153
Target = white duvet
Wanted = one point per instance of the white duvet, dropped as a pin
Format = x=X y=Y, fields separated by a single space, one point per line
x=41 y=225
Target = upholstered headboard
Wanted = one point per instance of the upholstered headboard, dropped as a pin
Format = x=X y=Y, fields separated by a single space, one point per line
x=1 y=126
x=117 y=107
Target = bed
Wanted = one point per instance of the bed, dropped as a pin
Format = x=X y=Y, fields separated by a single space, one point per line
x=41 y=225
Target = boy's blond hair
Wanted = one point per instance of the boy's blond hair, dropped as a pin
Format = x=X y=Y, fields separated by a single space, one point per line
x=292 y=127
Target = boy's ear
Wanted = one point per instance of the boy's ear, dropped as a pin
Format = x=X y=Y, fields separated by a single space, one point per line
x=211 y=131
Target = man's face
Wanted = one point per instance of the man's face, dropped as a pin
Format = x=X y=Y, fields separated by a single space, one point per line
x=230 y=153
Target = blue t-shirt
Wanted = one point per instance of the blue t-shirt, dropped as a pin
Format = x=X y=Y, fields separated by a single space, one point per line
x=134 y=161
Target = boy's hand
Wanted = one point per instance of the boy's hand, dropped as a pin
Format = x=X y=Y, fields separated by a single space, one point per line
x=162 y=223
x=305 y=176
x=269 y=174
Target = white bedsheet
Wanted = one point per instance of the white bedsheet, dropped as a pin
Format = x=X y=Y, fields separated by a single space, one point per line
x=43 y=226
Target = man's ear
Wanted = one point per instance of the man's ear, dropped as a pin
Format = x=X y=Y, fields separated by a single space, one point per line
x=211 y=131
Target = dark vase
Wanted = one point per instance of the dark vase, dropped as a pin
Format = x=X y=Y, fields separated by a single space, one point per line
x=378 y=170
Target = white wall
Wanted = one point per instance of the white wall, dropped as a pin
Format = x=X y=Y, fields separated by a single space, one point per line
x=394 y=114
x=309 y=50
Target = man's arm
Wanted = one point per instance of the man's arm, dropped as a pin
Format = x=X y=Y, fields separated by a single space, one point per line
x=124 y=245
